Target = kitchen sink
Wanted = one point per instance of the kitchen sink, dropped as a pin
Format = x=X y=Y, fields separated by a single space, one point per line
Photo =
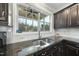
x=47 y=40
x=43 y=42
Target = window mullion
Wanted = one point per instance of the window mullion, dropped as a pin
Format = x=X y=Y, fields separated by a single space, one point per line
x=44 y=24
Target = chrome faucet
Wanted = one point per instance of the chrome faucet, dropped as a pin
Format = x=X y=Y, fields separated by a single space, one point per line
x=39 y=35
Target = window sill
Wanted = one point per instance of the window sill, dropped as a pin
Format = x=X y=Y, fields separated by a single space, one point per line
x=32 y=33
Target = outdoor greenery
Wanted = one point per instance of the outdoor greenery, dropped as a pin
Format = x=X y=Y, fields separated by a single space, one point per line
x=28 y=20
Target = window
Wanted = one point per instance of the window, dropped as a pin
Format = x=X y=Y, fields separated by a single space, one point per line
x=44 y=23
x=28 y=20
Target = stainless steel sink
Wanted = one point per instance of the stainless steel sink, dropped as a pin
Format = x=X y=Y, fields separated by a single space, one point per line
x=43 y=42
x=47 y=40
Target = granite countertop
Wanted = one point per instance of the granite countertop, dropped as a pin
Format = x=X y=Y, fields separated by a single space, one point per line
x=32 y=49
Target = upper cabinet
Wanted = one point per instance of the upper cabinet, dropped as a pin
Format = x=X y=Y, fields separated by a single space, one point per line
x=3 y=14
x=73 y=13
x=64 y=18
x=58 y=20
x=78 y=16
x=69 y=17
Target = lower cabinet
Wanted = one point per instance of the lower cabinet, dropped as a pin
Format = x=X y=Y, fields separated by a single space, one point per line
x=44 y=52
x=3 y=51
x=71 y=51
x=59 y=49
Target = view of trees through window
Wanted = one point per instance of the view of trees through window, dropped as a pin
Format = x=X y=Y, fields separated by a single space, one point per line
x=44 y=23
x=28 y=20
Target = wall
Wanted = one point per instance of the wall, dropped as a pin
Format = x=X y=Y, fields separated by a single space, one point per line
x=13 y=37
x=19 y=37
x=69 y=34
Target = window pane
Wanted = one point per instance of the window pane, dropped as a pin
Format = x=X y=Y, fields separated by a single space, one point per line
x=42 y=26
x=47 y=26
x=28 y=20
x=22 y=23
x=47 y=19
x=22 y=20
x=29 y=25
x=44 y=22
x=22 y=11
x=35 y=25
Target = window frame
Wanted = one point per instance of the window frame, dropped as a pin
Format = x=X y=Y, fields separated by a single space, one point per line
x=44 y=29
x=38 y=25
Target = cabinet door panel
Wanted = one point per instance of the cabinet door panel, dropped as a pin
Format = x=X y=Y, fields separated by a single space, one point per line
x=73 y=14
x=58 y=22
x=4 y=14
x=55 y=21
x=68 y=21
x=78 y=16
x=68 y=17
x=64 y=18
x=71 y=51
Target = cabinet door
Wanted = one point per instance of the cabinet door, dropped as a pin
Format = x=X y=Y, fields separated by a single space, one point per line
x=70 y=50
x=44 y=52
x=57 y=50
x=54 y=51
x=64 y=18
x=68 y=20
x=78 y=16
x=3 y=13
x=58 y=20
x=73 y=11
x=55 y=21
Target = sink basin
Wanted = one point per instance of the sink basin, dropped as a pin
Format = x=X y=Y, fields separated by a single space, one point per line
x=48 y=40
x=43 y=42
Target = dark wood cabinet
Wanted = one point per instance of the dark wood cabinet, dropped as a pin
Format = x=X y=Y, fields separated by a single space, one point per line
x=4 y=14
x=58 y=19
x=78 y=16
x=73 y=13
x=68 y=17
x=63 y=48
x=43 y=52
x=71 y=50
x=64 y=18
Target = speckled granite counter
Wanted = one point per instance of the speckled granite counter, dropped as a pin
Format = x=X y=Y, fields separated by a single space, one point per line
x=13 y=49
x=24 y=48
x=32 y=49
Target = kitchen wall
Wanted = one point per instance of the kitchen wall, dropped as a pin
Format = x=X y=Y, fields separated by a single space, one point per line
x=69 y=34
x=13 y=37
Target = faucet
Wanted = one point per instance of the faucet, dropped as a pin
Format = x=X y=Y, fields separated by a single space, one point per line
x=39 y=35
